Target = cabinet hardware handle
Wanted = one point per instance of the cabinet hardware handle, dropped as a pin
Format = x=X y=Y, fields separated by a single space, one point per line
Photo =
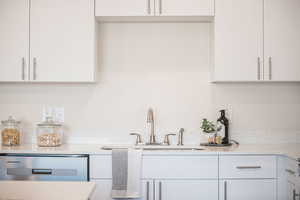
x=41 y=171
x=160 y=191
x=290 y=171
x=154 y=189
x=149 y=7
x=160 y=7
x=23 y=69
x=225 y=190
x=34 y=68
x=248 y=167
x=148 y=192
x=258 y=69
x=270 y=68
x=13 y=162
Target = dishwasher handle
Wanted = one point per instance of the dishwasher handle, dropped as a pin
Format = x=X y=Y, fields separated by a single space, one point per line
x=42 y=171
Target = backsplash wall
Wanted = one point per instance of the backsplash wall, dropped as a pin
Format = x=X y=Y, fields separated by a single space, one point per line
x=165 y=66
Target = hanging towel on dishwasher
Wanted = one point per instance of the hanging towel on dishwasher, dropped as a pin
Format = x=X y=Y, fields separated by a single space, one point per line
x=126 y=173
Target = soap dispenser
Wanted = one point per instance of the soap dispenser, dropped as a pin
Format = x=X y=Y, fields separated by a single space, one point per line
x=224 y=123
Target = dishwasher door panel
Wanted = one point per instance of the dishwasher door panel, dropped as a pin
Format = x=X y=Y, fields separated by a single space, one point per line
x=44 y=168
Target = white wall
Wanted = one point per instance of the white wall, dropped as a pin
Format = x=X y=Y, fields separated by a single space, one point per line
x=164 y=66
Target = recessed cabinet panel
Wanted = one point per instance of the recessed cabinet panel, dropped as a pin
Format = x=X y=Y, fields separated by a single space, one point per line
x=185 y=8
x=282 y=44
x=238 y=40
x=62 y=40
x=124 y=7
x=186 y=189
x=14 y=40
x=103 y=190
x=248 y=189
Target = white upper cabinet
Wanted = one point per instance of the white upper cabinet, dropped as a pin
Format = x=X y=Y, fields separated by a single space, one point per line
x=124 y=7
x=238 y=40
x=282 y=44
x=14 y=40
x=106 y=8
x=185 y=7
x=63 y=43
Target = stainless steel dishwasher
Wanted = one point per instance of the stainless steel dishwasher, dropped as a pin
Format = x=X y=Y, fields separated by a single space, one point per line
x=44 y=167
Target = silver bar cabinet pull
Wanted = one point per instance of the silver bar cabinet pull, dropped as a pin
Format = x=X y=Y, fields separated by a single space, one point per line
x=160 y=7
x=225 y=190
x=270 y=68
x=34 y=68
x=160 y=191
x=258 y=69
x=248 y=167
x=23 y=68
x=149 y=7
x=290 y=171
x=148 y=192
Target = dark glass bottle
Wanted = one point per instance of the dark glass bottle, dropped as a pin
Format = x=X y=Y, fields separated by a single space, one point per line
x=225 y=123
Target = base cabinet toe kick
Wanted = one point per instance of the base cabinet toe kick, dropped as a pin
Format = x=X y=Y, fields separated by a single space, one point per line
x=210 y=177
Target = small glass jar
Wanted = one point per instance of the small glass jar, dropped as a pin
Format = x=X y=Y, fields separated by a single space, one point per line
x=10 y=133
x=49 y=133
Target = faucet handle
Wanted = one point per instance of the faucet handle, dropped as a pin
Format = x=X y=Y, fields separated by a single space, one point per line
x=167 y=140
x=138 y=140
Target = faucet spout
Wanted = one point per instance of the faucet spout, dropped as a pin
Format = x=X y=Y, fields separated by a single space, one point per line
x=150 y=120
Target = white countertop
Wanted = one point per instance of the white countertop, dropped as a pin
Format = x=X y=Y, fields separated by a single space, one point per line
x=32 y=190
x=291 y=150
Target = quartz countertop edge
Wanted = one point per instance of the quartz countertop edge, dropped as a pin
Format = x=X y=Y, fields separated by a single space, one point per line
x=290 y=150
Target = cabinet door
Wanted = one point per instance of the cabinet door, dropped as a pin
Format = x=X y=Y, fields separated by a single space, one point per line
x=186 y=189
x=238 y=40
x=185 y=7
x=62 y=40
x=103 y=190
x=14 y=39
x=282 y=44
x=248 y=189
x=124 y=7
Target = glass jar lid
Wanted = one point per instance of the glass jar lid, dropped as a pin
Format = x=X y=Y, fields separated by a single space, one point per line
x=10 y=122
x=49 y=123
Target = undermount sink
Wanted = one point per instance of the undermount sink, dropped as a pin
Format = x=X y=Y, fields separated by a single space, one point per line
x=155 y=148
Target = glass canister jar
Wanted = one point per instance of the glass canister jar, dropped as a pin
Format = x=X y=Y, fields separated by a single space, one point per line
x=10 y=133
x=49 y=133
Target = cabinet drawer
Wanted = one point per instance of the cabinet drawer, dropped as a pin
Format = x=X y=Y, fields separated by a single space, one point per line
x=180 y=167
x=248 y=166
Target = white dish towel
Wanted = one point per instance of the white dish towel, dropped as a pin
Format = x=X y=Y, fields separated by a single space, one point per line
x=126 y=173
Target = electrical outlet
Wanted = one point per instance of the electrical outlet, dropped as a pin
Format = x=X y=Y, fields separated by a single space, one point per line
x=59 y=114
x=47 y=112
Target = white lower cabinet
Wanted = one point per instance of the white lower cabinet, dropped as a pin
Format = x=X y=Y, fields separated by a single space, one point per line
x=103 y=190
x=164 y=189
x=197 y=177
x=186 y=189
x=248 y=189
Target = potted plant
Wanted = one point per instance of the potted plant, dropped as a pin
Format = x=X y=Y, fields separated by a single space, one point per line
x=210 y=129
